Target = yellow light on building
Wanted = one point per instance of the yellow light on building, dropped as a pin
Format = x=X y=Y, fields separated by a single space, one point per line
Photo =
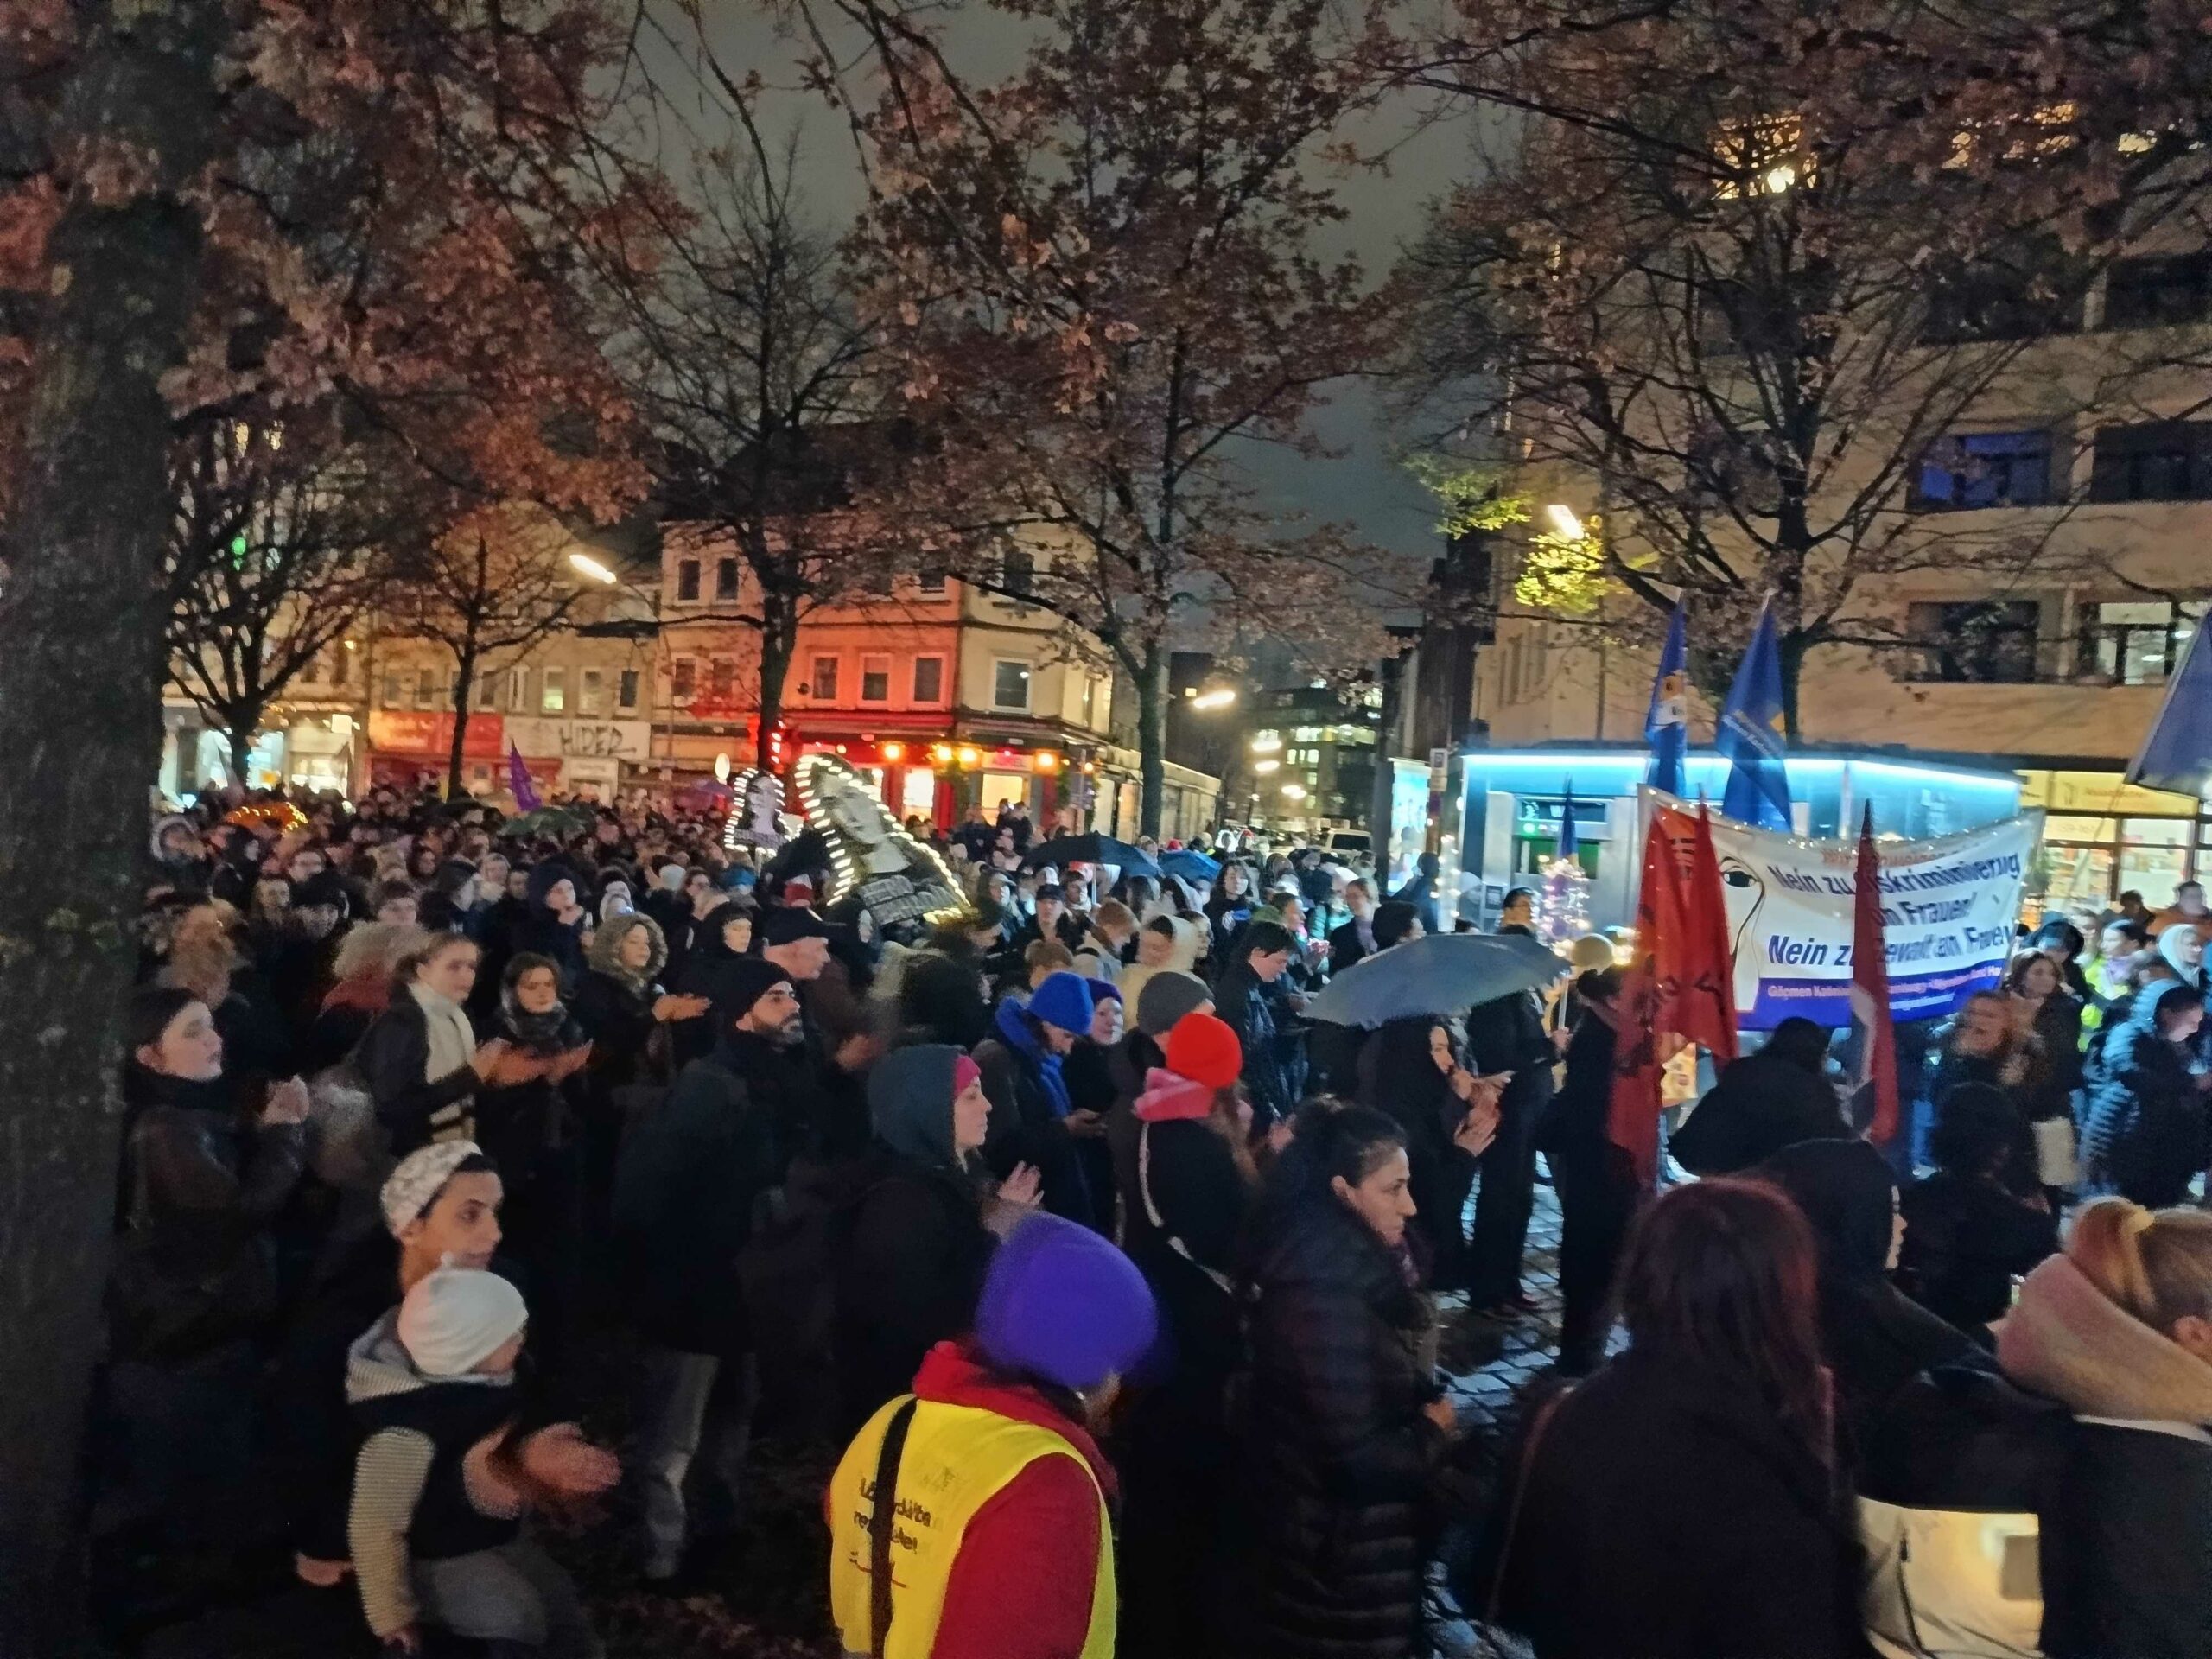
x=1047 y=761
x=942 y=753
x=894 y=752
x=967 y=756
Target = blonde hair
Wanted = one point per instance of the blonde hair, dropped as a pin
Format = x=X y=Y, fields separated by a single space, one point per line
x=2157 y=1265
x=375 y=947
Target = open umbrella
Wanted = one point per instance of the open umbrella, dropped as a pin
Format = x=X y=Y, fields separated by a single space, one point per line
x=1441 y=974
x=1090 y=847
x=1190 y=865
x=558 y=821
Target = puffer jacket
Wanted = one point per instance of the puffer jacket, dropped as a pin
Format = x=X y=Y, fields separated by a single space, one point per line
x=1341 y=1458
x=2143 y=1135
x=1275 y=1061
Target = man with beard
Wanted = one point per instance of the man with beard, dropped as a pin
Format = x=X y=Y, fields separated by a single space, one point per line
x=685 y=1195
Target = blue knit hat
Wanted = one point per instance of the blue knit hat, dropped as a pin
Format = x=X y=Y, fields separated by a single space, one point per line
x=1063 y=1000
x=1060 y=1304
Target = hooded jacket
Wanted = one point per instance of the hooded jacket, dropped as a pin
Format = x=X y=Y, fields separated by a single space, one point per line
x=2143 y=1133
x=418 y=1493
x=2128 y=1538
x=1763 y=1103
x=915 y=1248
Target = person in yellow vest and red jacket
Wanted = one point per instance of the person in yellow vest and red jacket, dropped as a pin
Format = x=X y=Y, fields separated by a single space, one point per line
x=969 y=1520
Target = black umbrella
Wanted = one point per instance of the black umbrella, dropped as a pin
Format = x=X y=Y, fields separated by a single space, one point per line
x=1092 y=848
x=1441 y=974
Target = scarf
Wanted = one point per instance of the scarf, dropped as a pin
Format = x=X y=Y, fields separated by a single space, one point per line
x=1016 y=1031
x=2066 y=1339
x=451 y=1045
x=537 y=1034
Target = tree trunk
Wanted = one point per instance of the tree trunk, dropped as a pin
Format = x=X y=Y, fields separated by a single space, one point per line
x=239 y=736
x=1152 y=737
x=778 y=642
x=1790 y=655
x=83 y=609
x=464 y=678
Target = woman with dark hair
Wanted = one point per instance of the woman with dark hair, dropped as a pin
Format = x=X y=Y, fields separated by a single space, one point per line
x=1874 y=1339
x=1347 y=1425
x=1275 y=1061
x=2143 y=1135
x=2063 y=942
x=1596 y=1180
x=2043 y=1007
x=1979 y=1221
x=1412 y=1071
x=1229 y=906
x=1684 y=1503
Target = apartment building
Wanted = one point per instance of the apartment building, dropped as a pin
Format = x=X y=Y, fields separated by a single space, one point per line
x=2053 y=668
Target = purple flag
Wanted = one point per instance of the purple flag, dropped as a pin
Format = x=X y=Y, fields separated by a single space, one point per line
x=518 y=779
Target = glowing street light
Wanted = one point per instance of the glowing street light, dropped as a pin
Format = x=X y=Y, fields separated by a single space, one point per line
x=1220 y=697
x=584 y=565
x=1293 y=791
x=1266 y=766
x=1564 y=521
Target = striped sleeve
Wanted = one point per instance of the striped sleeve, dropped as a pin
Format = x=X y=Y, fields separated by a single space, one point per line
x=388 y=1479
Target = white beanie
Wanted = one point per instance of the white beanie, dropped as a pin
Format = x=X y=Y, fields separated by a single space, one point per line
x=457 y=1318
x=414 y=1185
x=671 y=877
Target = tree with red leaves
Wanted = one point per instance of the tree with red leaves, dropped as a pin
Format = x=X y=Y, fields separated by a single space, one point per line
x=348 y=217
x=1099 y=279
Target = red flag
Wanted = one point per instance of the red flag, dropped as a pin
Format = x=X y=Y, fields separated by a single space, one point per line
x=1874 y=1096
x=1682 y=989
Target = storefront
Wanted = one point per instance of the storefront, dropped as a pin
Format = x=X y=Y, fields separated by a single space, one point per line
x=2103 y=837
x=590 y=759
x=411 y=748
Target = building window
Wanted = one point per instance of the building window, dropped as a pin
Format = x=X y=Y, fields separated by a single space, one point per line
x=725 y=578
x=553 y=696
x=932 y=582
x=929 y=679
x=626 y=693
x=426 y=689
x=1980 y=641
x=687 y=580
x=1090 y=701
x=2155 y=293
x=721 y=680
x=1018 y=571
x=2153 y=460
x=2135 y=642
x=395 y=688
x=2025 y=296
x=682 y=679
x=591 y=692
x=1985 y=469
x=518 y=690
x=487 y=691
x=1009 y=685
x=875 y=679
x=823 y=681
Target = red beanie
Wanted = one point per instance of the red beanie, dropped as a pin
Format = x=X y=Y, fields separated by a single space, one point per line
x=1203 y=1049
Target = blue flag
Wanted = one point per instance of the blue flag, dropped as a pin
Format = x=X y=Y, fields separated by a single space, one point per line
x=1570 y=840
x=1750 y=735
x=1666 y=727
x=2177 y=751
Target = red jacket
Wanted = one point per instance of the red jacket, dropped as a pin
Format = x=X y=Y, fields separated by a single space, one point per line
x=1017 y=1590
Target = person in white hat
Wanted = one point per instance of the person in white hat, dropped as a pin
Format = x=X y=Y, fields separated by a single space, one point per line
x=439 y=1490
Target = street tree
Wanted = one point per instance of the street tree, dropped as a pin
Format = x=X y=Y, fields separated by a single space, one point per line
x=1735 y=274
x=260 y=209
x=276 y=551
x=1101 y=282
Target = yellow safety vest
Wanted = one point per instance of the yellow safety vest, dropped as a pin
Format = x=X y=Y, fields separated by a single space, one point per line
x=957 y=1459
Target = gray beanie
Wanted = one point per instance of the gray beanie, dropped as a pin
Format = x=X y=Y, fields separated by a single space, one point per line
x=1166 y=997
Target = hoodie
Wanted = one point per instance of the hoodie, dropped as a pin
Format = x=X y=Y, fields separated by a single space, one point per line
x=1194 y=1195
x=2143 y=1131
x=2172 y=944
x=421 y=1489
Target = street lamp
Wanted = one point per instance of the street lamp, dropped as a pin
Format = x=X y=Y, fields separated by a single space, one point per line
x=1220 y=697
x=1293 y=791
x=584 y=565
x=1564 y=521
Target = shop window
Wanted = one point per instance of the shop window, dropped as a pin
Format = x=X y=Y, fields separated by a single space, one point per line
x=682 y=679
x=2153 y=460
x=875 y=679
x=2136 y=642
x=821 y=681
x=1990 y=642
x=1009 y=685
x=687 y=580
x=553 y=692
x=929 y=680
x=725 y=578
x=1985 y=469
x=2159 y=292
x=591 y=692
x=625 y=694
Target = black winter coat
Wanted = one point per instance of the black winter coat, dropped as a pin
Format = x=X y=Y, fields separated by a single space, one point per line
x=1342 y=1458
x=684 y=1193
x=1667 y=1515
x=1762 y=1103
x=908 y=1269
x=1275 y=1060
x=395 y=1051
x=2143 y=1135
x=1509 y=1035
x=2128 y=1548
x=1966 y=1238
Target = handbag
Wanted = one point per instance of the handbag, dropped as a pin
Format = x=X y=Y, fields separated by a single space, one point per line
x=1490 y=1641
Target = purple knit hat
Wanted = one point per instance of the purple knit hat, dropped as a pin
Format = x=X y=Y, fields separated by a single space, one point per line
x=1062 y=1304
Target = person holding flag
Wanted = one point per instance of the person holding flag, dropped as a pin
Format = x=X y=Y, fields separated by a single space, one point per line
x=1750 y=733
x=1666 y=724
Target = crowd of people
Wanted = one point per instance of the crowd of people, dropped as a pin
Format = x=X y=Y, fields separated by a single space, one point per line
x=1109 y=1277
